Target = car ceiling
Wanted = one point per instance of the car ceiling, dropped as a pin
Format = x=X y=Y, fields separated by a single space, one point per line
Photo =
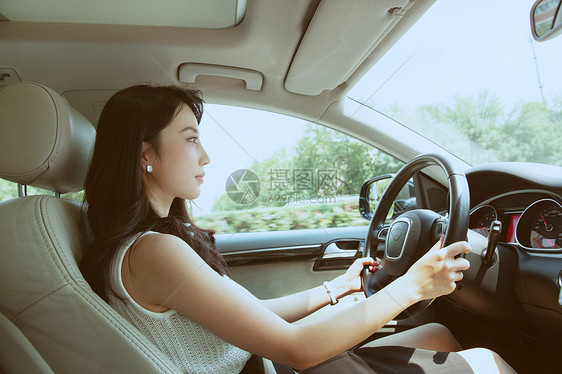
x=298 y=56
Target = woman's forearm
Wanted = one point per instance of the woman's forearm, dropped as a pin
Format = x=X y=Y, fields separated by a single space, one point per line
x=317 y=340
x=350 y=325
x=294 y=307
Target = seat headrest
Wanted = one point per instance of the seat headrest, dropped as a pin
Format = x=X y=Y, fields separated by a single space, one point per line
x=44 y=142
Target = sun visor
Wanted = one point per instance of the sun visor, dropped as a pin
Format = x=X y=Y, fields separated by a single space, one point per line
x=339 y=38
x=206 y=14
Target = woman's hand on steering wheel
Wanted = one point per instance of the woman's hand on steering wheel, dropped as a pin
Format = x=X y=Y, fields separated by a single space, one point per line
x=351 y=280
x=436 y=273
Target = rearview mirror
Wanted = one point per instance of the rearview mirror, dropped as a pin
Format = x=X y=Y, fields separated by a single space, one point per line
x=546 y=19
x=372 y=191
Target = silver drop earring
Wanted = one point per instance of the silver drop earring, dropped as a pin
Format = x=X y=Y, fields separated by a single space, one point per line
x=149 y=169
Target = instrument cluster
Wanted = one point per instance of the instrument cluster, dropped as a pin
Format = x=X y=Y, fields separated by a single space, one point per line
x=538 y=227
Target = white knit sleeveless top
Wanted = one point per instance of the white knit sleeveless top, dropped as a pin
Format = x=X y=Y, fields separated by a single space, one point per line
x=191 y=347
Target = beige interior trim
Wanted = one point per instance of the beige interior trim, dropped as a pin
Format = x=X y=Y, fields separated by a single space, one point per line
x=17 y=354
x=89 y=103
x=331 y=50
x=269 y=281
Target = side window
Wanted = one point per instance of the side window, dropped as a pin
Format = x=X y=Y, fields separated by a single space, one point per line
x=9 y=190
x=270 y=172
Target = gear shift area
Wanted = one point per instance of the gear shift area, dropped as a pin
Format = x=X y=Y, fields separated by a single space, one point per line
x=489 y=256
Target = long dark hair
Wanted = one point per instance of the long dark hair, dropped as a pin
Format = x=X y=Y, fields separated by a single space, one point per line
x=116 y=201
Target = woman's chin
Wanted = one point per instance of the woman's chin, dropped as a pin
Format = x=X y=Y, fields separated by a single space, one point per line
x=192 y=195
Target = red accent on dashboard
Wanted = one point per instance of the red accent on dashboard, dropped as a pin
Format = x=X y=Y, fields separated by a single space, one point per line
x=510 y=238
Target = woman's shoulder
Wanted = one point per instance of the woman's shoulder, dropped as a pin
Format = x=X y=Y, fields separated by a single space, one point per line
x=157 y=238
x=153 y=243
x=158 y=263
x=154 y=249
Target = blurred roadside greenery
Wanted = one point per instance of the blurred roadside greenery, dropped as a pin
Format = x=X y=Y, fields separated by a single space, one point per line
x=9 y=190
x=479 y=129
x=342 y=212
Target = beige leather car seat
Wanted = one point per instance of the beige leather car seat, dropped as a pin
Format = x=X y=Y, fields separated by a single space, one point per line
x=50 y=319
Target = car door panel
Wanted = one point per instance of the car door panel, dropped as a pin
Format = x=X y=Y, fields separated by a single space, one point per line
x=278 y=263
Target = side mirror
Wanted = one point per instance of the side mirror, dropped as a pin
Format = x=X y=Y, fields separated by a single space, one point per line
x=546 y=19
x=371 y=193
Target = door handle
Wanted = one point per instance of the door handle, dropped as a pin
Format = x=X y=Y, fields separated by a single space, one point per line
x=339 y=254
x=333 y=251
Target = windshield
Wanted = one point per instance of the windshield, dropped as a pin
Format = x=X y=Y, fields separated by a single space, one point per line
x=469 y=76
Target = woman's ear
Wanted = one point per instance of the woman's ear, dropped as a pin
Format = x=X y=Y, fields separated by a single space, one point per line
x=145 y=155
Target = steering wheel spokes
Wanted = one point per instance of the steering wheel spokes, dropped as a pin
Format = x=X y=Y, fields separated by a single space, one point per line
x=408 y=239
x=413 y=233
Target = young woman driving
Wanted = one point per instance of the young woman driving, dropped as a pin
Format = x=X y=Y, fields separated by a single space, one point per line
x=165 y=275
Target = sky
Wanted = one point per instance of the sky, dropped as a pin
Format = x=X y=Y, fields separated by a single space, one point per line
x=463 y=47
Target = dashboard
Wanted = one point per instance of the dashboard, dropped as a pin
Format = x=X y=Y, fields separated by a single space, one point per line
x=526 y=198
x=524 y=287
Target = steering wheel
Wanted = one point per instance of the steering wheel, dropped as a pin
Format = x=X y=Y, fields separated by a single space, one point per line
x=413 y=233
